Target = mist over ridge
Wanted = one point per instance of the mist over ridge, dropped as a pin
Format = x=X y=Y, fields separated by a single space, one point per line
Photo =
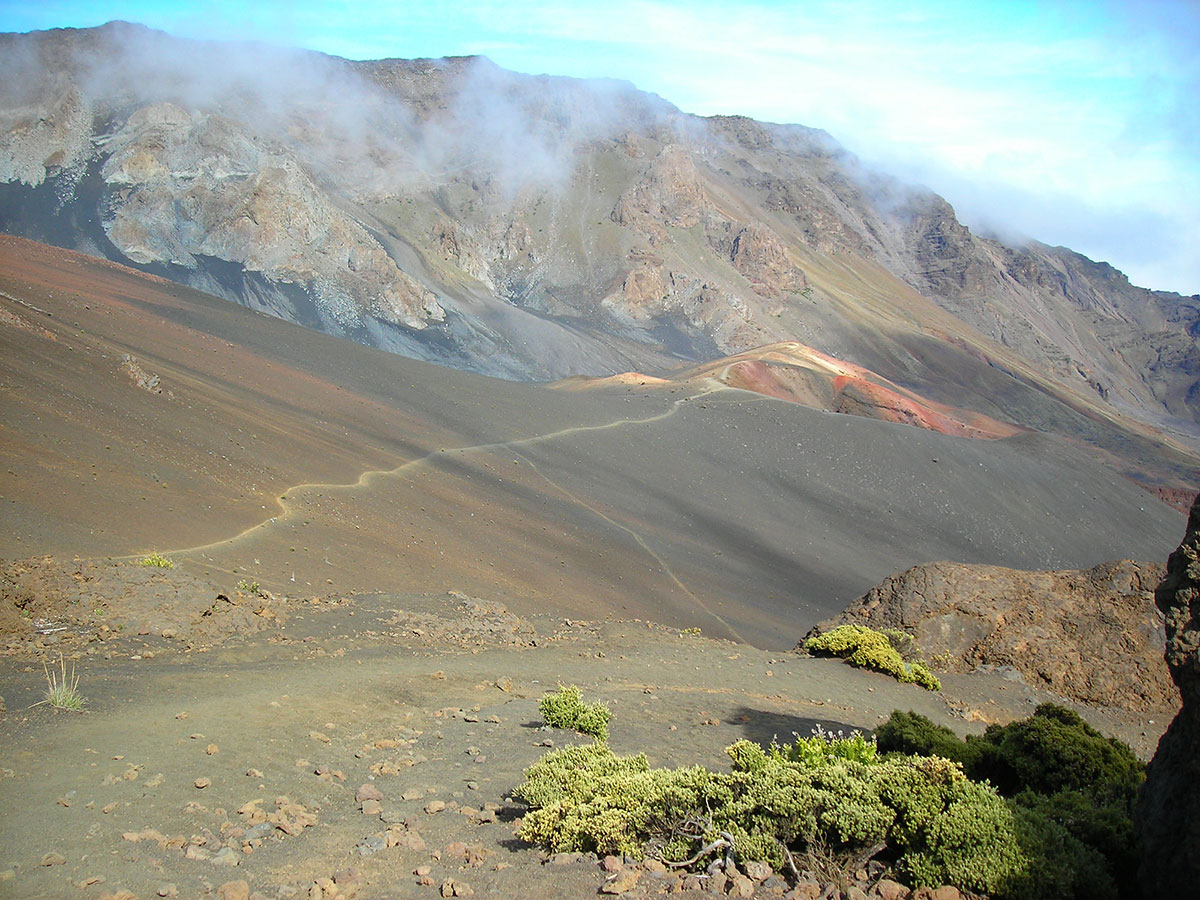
x=535 y=227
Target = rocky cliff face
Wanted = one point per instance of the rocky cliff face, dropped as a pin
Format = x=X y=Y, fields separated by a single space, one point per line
x=1168 y=815
x=541 y=227
x=188 y=185
x=1093 y=636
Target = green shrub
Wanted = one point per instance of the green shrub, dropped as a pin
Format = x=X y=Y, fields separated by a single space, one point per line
x=157 y=561
x=869 y=649
x=1055 y=750
x=912 y=733
x=565 y=709
x=1106 y=830
x=825 y=747
x=1067 y=776
x=249 y=587
x=938 y=826
x=1060 y=865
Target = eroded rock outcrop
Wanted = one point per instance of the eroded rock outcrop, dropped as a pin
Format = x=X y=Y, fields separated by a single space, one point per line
x=1168 y=814
x=1092 y=635
x=192 y=185
x=669 y=194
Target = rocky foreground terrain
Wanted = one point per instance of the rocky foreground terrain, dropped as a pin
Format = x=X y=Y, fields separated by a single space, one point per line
x=240 y=744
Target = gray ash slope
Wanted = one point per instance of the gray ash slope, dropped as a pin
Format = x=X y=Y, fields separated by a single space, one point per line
x=536 y=227
x=285 y=456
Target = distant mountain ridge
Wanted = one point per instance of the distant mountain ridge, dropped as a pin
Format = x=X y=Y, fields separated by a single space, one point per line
x=540 y=227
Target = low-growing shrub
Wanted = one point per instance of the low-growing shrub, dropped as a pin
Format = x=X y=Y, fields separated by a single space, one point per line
x=825 y=747
x=937 y=826
x=912 y=733
x=1055 y=750
x=1057 y=769
x=157 y=560
x=565 y=708
x=869 y=649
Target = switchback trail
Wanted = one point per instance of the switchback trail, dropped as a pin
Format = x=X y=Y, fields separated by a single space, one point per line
x=288 y=511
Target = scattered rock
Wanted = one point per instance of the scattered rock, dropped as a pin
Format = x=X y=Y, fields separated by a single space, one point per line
x=758 y=871
x=621 y=882
x=53 y=858
x=368 y=791
x=226 y=856
x=433 y=807
x=371 y=844
x=887 y=889
x=740 y=886
x=234 y=890
x=202 y=783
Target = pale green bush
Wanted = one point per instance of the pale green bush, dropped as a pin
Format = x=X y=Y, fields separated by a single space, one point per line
x=565 y=709
x=826 y=746
x=937 y=826
x=869 y=649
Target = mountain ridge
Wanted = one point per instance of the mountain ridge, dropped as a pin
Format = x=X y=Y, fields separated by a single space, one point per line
x=535 y=227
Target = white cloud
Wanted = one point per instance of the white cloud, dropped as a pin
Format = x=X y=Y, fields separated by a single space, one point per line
x=1090 y=112
x=1089 y=104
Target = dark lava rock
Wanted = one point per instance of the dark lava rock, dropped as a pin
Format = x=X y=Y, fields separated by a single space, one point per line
x=1094 y=635
x=1168 y=814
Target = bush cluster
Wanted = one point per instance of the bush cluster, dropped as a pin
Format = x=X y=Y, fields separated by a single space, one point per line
x=826 y=747
x=1053 y=767
x=565 y=708
x=157 y=560
x=880 y=651
x=937 y=825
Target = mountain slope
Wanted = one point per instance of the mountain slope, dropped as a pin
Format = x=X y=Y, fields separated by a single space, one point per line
x=138 y=415
x=537 y=227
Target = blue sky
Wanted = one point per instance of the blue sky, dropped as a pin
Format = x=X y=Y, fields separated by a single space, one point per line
x=1074 y=123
